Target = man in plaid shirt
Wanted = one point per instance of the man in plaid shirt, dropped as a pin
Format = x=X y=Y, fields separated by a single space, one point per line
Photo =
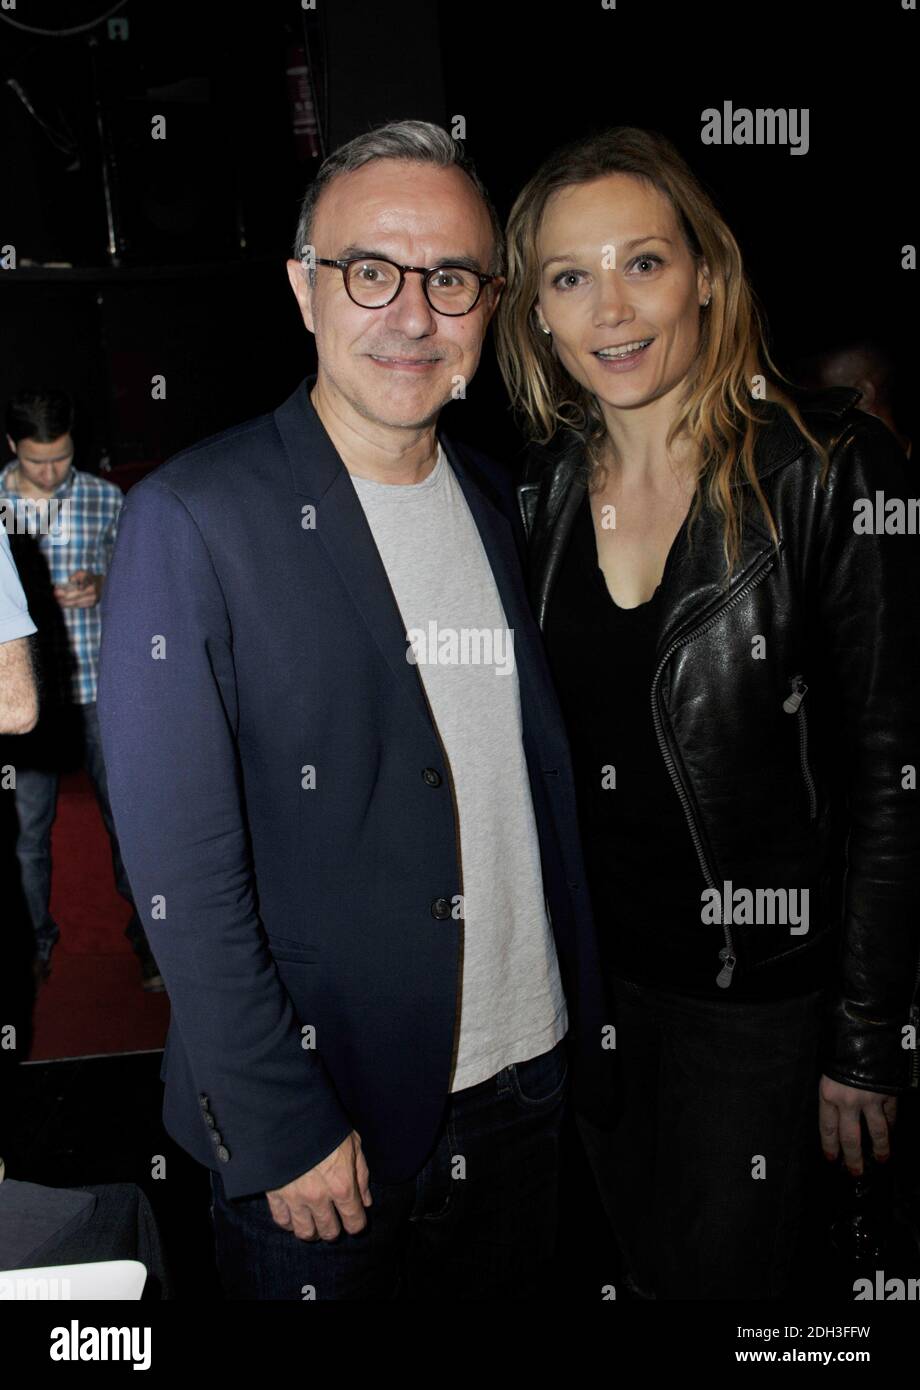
x=62 y=524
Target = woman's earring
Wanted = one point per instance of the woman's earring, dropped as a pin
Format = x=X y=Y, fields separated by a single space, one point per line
x=547 y=330
x=706 y=302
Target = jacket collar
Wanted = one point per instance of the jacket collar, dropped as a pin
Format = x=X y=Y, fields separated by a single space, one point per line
x=315 y=463
x=693 y=585
x=775 y=445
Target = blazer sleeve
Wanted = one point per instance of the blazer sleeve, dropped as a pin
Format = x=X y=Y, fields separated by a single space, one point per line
x=167 y=714
x=868 y=600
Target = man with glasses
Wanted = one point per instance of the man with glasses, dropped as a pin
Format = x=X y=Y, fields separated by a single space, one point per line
x=347 y=785
x=373 y=283
x=63 y=523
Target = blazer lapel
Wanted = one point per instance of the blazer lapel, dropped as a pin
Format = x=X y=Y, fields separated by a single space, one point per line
x=320 y=477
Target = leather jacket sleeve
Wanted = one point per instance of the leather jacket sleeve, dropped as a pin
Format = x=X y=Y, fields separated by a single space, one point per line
x=866 y=591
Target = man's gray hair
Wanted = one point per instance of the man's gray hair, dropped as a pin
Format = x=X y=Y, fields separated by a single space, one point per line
x=419 y=142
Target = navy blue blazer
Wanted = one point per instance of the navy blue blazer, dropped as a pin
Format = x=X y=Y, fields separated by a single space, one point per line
x=249 y=633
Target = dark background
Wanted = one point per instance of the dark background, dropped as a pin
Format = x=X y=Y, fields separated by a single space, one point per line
x=195 y=286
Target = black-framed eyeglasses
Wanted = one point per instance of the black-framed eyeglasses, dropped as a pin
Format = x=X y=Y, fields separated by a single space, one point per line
x=373 y=282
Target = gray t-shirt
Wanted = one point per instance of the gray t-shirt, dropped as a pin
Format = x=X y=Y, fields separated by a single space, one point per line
x=512 y=1005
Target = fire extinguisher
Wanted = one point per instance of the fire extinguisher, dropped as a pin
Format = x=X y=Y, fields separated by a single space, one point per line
x=301 y=96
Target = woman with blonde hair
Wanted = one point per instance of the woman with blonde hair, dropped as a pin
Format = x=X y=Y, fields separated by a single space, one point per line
x=737 y=660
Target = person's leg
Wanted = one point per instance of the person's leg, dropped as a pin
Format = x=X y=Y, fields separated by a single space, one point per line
x=95 y=766
x=737 y=1110
x=36 y=801
x=39 y=757
x=485 y=1221
x=623 y=1158
x=258 y=1259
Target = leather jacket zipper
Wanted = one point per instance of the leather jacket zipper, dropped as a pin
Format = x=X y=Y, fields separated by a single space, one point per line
x=793 y=705
x=727 y=954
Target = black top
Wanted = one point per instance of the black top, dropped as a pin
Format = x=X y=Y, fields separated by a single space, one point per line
x=644 y=874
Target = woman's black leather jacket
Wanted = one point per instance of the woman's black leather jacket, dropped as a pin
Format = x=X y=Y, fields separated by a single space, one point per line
x=787 y=709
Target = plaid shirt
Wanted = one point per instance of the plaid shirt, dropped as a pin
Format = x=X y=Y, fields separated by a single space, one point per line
x=70 y=659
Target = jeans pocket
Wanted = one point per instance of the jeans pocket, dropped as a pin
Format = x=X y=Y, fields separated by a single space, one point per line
x=540 y=1080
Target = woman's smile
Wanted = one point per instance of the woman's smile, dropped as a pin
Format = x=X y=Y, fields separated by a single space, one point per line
x=625 y=358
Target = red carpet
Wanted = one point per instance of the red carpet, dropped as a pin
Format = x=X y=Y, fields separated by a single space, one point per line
x=93 y=1002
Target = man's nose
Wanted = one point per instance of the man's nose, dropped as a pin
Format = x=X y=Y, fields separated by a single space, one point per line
x=411 y=306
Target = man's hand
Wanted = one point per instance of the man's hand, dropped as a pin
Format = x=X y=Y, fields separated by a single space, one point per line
x=839 y=1109
x=310 y=1206
x=82 y=590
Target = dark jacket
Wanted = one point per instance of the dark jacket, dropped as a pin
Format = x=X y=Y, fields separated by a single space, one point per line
x=795 y=758
x=246 y=638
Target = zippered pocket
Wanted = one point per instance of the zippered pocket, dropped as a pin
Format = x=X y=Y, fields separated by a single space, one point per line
x=794 y=704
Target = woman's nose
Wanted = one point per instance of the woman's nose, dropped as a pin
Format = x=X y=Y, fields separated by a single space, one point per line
x=611 y=302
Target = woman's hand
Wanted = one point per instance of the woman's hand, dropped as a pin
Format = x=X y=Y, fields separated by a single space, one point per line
x=839 y=1109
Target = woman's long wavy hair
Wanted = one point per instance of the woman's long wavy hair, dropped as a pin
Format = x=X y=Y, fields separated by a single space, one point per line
x=718 y=413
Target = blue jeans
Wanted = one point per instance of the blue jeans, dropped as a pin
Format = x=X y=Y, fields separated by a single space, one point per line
x=64 y=739
x=488 y=1234
x=703 y=1176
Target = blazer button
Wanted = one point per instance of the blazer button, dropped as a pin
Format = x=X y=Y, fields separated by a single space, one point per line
x=432 y=776
x=216 y=1138
x=203 y=1101
x=441 y=909
x=210 y=1121
x=223 y=1154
